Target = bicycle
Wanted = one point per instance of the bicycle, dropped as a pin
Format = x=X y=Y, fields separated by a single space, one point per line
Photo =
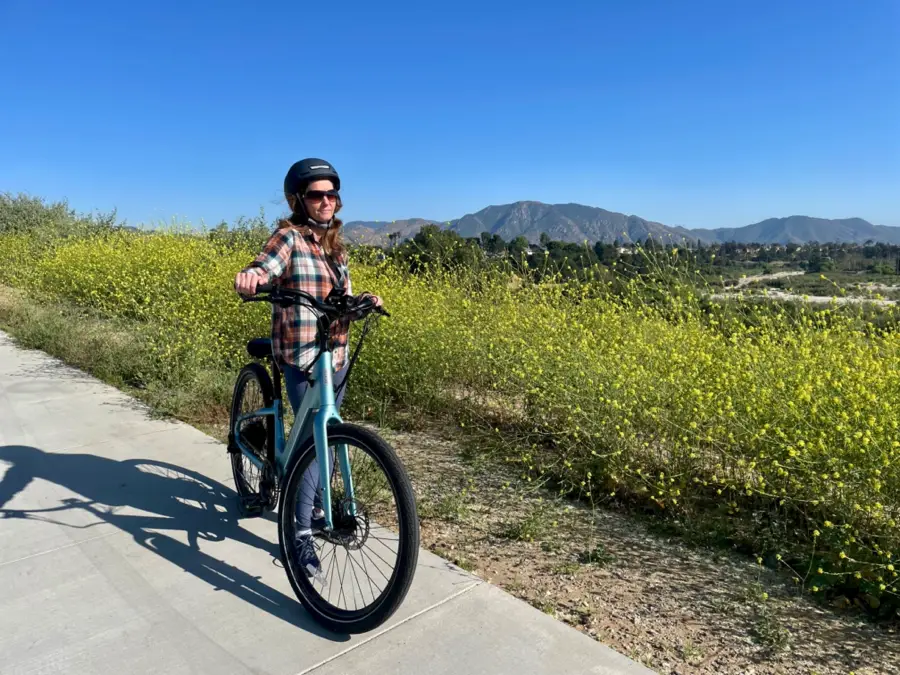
x=349 y=517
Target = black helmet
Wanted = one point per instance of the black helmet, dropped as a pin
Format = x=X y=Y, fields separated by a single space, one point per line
x=306 y=171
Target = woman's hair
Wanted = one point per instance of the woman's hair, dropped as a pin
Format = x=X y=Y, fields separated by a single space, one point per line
x=332 y=241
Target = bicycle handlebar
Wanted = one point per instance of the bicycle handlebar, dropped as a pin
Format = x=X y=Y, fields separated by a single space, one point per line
x=341 y=305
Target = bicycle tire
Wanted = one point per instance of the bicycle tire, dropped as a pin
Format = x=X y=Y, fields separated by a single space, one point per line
x=370 y=617
x=252 y=502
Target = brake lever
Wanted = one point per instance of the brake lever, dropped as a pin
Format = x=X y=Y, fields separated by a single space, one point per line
x=370 y=306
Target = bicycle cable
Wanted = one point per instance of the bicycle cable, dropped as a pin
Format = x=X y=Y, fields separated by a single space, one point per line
x=365 y=330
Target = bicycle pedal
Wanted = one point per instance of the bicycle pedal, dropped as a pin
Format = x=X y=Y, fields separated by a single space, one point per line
x=252 y=505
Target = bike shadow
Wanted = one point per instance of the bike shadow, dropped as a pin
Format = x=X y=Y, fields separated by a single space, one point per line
x=169 y=497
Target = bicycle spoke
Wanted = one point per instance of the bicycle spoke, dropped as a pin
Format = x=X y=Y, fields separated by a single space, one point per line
x=328 y=576
x=341 y=578
x=382 y=539
x=386 y=578
x=361 y=592
x=372 y=588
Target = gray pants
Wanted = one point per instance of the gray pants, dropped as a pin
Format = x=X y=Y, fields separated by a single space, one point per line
x=295 y=383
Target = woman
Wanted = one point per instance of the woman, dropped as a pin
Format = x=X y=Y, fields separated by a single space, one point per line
x=305 y=253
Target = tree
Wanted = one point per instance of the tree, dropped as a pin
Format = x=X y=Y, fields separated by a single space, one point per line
x=435 y=245
x=496 y=245
x=518 y=247
x=606 y=253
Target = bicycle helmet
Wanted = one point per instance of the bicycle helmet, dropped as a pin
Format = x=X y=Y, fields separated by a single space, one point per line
x=305 y=171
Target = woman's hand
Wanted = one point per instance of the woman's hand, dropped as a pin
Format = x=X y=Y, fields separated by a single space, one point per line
x=364 y=303
x=377 y=300
x=245 y=283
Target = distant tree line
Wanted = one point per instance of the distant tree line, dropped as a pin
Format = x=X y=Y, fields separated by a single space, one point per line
x=433 y=243
x=812 y=256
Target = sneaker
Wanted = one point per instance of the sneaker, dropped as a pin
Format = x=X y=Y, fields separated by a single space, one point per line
x=305 y=556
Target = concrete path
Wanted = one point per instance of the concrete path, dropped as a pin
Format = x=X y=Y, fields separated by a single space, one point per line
x=120 y=552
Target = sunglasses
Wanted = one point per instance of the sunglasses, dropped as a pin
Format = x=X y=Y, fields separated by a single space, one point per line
x=319 y=195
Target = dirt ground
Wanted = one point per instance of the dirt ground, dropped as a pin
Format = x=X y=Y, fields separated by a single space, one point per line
x=674 y=608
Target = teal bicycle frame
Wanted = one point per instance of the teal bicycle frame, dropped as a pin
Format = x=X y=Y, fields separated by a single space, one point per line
x=316 y=411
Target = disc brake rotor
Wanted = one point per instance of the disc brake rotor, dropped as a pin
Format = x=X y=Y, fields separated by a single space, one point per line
x=350 y=531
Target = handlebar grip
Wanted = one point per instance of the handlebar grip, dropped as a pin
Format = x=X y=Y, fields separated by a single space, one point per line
x=368 y=305
x=264 y=288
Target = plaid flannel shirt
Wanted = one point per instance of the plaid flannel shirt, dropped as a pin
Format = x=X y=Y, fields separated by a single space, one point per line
x=294 y=259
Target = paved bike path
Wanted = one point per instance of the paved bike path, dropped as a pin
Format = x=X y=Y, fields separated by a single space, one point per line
x=120 y=552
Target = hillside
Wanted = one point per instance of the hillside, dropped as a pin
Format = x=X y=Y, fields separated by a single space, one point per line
x=803 y=229
x=576 y=223
x=377 y=232
x=561 y=222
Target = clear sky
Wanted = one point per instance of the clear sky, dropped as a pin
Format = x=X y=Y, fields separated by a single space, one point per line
x=695 y=113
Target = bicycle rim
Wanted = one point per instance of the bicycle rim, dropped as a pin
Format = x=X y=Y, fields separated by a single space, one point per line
x=366 y=565
x=253 y=391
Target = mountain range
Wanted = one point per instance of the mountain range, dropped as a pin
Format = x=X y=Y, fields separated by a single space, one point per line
x=576 y=223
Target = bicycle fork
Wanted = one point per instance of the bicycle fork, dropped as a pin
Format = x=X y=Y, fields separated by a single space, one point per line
x=320 y=434
x=328 y=412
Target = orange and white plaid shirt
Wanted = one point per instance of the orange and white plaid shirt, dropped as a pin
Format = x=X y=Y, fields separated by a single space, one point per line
x=294 y=259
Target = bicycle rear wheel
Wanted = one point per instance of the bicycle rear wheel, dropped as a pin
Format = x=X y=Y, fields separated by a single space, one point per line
x=253 y=390
x=368 y=562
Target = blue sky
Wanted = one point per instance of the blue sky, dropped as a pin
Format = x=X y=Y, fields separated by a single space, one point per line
x=702 y=114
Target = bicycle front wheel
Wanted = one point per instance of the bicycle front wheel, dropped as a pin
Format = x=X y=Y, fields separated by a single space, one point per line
x=353 y=578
